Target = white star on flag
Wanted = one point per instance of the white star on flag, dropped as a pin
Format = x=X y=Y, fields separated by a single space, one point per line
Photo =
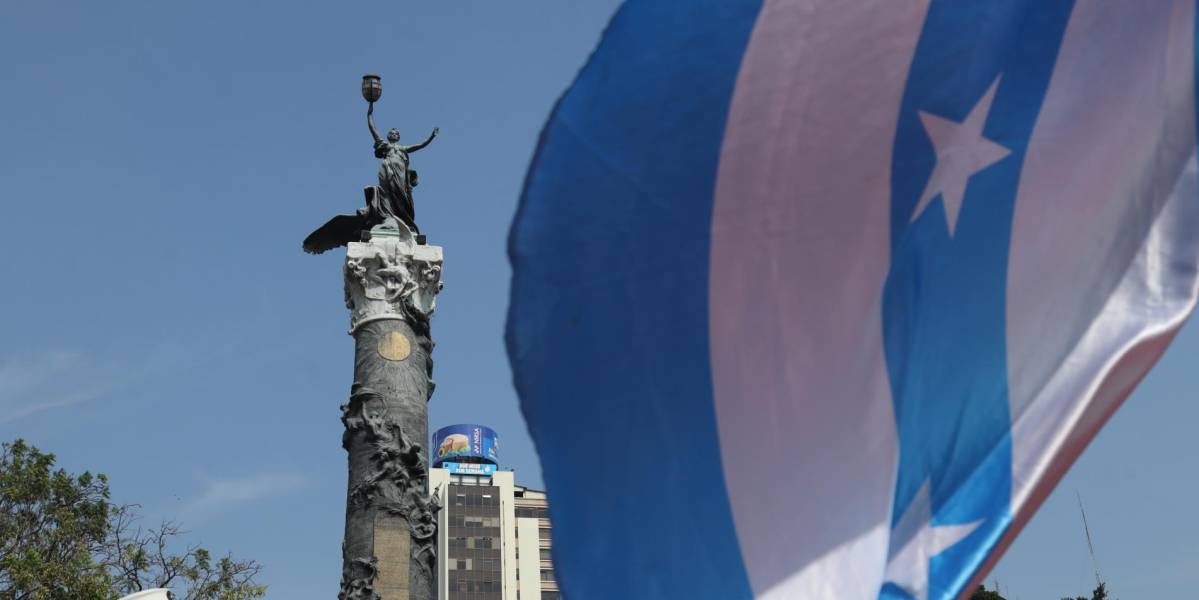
x=961 y=152
x=915 y=540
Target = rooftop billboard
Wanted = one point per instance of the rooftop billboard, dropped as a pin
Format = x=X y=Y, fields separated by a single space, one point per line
x=461 y=443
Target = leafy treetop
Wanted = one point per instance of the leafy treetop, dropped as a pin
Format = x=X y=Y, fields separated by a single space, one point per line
x=62 y=539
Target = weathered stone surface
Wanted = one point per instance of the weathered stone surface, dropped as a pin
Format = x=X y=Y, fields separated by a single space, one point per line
x=389 y=551
x=391 y=277
x=393 y=547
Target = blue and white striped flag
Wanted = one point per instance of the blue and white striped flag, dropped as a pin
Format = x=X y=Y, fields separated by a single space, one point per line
x=820 y=298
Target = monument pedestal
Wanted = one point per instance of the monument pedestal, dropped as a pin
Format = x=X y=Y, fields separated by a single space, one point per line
x=390 y=546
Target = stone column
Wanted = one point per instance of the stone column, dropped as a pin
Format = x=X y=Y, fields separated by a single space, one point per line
x=389 y=551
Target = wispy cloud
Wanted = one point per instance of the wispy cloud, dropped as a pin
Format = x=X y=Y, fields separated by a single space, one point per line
x=226 y=493
x=33 y=384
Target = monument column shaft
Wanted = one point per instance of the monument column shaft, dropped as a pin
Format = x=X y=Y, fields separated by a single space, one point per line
x=404 y=569
x=390 y=545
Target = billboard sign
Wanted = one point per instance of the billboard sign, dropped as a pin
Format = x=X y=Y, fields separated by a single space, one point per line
x=458 y=442
x=469 y=468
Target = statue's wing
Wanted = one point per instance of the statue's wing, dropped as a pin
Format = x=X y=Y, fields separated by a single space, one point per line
x=339 y=231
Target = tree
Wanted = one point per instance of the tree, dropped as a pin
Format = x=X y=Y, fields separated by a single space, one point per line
x=982 y=594
x=62 y=539
x=52 y=526
x=1099 y=593
x=141 y=559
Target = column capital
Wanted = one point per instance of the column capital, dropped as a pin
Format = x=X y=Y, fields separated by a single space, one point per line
x=391 y=276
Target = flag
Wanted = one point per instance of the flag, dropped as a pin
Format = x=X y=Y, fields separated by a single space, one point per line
x=820 y=299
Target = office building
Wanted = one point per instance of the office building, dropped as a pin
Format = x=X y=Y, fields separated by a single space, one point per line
x=493 y=535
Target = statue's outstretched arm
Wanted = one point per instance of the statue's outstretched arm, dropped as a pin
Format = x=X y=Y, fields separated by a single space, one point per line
x=370 y=122
x=416 y=147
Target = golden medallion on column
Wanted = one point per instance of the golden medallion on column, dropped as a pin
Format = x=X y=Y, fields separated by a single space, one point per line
x=394 y=346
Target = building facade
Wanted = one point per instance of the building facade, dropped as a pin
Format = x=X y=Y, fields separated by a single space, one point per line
x=494 y=536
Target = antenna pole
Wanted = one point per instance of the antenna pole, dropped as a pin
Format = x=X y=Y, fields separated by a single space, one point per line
x=1091 y=547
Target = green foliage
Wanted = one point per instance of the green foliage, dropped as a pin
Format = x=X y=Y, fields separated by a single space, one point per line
x=61 y=539
x=982 y=594
x=1099 y=593
x=52 y=525
x=142 y=559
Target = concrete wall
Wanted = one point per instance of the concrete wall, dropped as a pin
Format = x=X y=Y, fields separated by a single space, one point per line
x=529 y=563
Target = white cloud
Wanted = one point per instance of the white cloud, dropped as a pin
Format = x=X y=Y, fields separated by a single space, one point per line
x=34 y=383
x=226 y=493
x=30 y=385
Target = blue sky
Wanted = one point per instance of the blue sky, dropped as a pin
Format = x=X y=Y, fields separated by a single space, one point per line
x=160 y=163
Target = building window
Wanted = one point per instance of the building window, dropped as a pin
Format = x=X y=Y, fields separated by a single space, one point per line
x=473 y=556
x=547 y=575
x=543 y=534
x=550 y=596
x=532 y=512
x=545 y=554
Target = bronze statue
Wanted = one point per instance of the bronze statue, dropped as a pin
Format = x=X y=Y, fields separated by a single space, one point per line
x=396 y=178
x=388 y=204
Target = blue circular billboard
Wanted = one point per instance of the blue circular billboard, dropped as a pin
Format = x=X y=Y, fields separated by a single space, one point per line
x=465 y=443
